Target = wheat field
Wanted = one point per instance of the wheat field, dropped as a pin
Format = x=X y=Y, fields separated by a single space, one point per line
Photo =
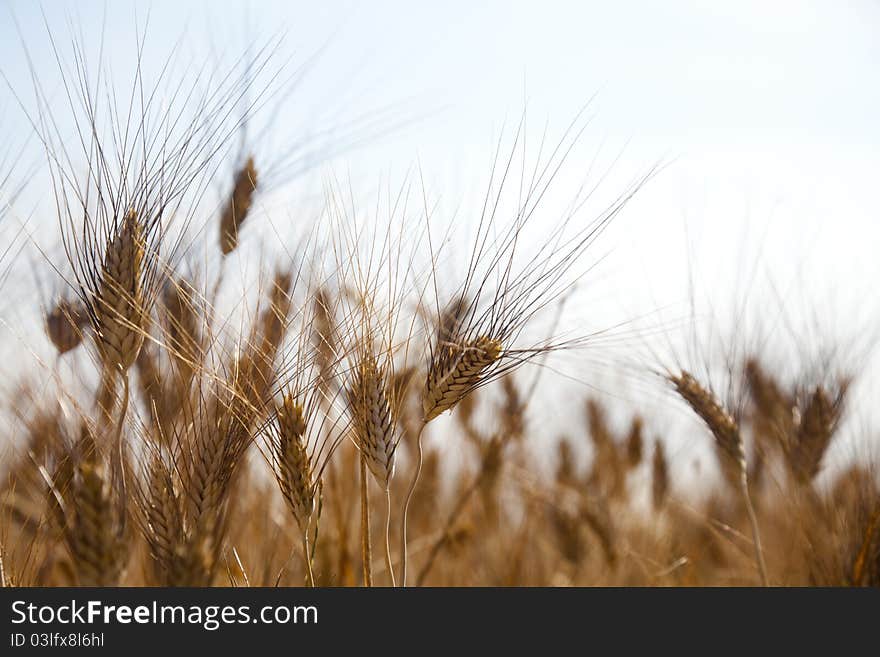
x=360 y=407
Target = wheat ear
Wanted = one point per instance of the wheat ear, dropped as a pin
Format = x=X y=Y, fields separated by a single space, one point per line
x=238 y=207
x=454 y=372
x=119 y=309
x=729 y=440
x=92 y=515
x=294 y=471
x=374 y=431
x=119 y=314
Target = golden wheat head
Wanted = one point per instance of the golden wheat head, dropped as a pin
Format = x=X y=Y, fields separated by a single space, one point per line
x=372 y=418
x=454 y=372
x=119 y=309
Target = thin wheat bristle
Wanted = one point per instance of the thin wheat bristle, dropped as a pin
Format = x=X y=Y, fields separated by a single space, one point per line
x=239 y=206
x=455 y=372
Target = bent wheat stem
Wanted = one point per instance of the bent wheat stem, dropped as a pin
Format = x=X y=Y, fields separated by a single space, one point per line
x=406 y=503
x=388 y=536
x=307 y=556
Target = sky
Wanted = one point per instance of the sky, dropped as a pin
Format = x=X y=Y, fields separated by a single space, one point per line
x=763 y=115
